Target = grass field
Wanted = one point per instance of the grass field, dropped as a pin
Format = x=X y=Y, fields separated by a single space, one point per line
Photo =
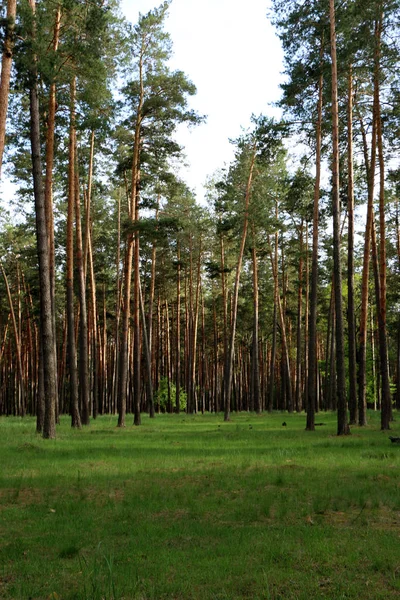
x=194 y=508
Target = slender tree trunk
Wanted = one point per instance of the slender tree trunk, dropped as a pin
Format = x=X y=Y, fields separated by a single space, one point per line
x=95 y=337
x=132 y=252
x=40 y=403
x=255 y=366
x=224 y=309
x=17 y=337
x=350 y=260
x=84 y=388
x=374 y=374
x=194 y=333
x=298 y=402
x=46 y=321
x=306 y=321
x=362 y=353
x=48 y=190
x=275 y=324
x=178 y=331
x=398 y=322
x=6 y=62
x=86 y=236
x=72 y=360
x=286 y=380
x=229 y=364
x=147 y=352
x=386 y=400
x=343 y=427
x=118 y=304
x=312 y=319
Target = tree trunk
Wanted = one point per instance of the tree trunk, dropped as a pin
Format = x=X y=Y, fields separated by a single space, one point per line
x=46 y=321
x=17 y=337
x=84 y=389
x=132 y=252
x=178 y=331
x=286 y=379
x=147 y=351
x=6 y=62
x=255 y=366
x=362 y=353
x=72 y=361
x=312 y=319
x=298 y=401
x=386 y=400
x=351 y=319
x=343 y=428
x=229 y=363
x=275 y=324
x=48 y=191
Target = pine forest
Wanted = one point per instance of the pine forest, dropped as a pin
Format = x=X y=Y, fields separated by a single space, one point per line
x=238 y=354
x=123 y=294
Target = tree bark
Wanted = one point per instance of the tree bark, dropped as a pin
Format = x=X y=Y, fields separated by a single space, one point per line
x=48 y=190
x=351 y=320
x=312 y=319
x=255 y=363
x=229 y=363
x=46 y=321
x=132 y=258
x=84 y=388
x=178 y=331
x=298 y=400
x=72 y=359
x=6 y=63
x=386 y=400
x=17 y=337
x=343 y=427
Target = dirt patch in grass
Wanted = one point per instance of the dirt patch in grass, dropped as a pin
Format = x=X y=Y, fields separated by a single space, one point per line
x=172 y=515
x=382 y=518
x=23 y=496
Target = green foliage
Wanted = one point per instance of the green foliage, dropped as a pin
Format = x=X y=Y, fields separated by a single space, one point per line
x=161 y=395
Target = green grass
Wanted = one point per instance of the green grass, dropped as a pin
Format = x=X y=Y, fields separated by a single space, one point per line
x=192 y=508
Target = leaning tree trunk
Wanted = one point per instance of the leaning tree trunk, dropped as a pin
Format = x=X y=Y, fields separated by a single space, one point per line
x=229 y=362
x=343 y=428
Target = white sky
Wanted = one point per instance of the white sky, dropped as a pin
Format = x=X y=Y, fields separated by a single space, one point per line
x=229 y=50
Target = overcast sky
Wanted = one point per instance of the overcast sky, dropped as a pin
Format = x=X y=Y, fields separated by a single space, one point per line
x=230 y=52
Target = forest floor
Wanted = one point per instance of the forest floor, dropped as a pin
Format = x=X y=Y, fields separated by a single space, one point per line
x=192 y=508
